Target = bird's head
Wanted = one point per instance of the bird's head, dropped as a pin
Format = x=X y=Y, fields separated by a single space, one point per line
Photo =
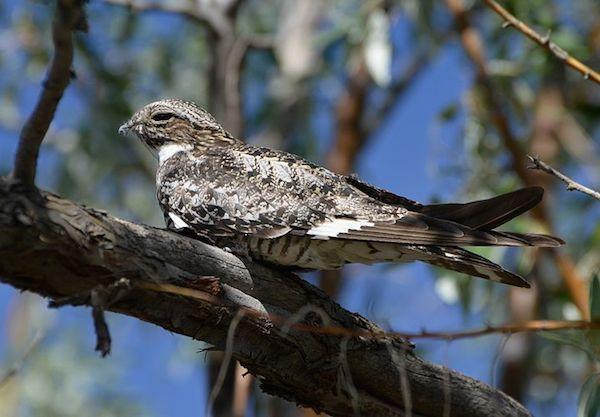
x=175 y=122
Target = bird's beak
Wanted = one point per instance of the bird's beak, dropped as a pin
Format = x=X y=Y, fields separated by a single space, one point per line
x=125 y=128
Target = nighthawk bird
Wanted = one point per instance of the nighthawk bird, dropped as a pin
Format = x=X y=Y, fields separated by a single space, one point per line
x=280 y=208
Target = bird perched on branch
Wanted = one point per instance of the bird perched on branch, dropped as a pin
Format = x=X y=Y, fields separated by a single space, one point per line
x=279 y=208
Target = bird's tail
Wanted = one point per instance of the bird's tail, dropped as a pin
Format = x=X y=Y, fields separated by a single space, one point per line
x=461 y=260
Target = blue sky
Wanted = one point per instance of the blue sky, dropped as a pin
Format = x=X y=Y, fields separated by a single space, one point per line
x=163 y=371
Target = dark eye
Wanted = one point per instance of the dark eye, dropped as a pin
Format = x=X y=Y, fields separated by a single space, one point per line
x=161 y=117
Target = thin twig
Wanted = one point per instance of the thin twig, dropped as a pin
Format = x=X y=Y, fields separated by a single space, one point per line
x=16 y=368
x=345 y=382
x=400 y=363
x=532 y=326
x=68 y=17
x=226 y=360
x=571 y=184
x=543 y=41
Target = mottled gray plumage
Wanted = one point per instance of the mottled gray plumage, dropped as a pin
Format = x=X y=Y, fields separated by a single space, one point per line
x=280 y=208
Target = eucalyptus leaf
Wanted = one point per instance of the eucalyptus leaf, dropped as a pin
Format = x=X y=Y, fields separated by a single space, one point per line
x=589 y=397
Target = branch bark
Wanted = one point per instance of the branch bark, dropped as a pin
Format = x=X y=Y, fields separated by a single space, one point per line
x=68 y=17
x=59 y=249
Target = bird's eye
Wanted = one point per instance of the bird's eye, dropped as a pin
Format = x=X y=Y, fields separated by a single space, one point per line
x=162 y=117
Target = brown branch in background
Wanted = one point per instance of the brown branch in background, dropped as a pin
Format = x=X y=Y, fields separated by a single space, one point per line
x=543 y=41
x=209 y=16
x=571 y=184
x=350 y=138
x=68 y=17
x=473 y=46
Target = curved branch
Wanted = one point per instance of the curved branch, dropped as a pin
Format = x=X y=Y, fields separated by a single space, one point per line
x=68 y=17
x=58 y=249
x=543 y=41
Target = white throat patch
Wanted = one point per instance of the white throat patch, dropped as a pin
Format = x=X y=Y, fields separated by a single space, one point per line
x=167 y=151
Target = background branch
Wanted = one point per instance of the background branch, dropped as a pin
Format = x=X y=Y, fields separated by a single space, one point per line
x=571 y=184
x=68 y=17
x=543 y=41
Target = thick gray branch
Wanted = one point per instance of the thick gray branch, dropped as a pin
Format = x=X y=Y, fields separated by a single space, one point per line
x=59 y=249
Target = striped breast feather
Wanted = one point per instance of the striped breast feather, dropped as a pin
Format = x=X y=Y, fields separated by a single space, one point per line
x=418 y=229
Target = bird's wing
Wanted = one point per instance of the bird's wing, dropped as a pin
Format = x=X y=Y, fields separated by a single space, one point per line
x=254 y=191
x=419 y=229
x=470 y=223
x=482 y=214
x=488 y=214
x=461 y=260
x=384 y=196
x=267 y=194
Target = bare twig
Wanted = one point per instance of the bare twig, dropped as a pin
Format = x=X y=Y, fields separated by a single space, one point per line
x=543 y=41
x=400 y=364
x=226 y=360
x=286 y=324
x=68 y=17
x=571 y=184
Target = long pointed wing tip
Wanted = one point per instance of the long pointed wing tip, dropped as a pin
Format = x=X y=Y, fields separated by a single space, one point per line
x=534 y=189
x=551 y=242
x=521 y=283
x=514 y=280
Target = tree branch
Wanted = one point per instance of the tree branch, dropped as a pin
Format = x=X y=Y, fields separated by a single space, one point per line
x=58 y=249
x=206 y=15
x=473 y=46
x=543 y=41
x=571 y=184
x=68 y=17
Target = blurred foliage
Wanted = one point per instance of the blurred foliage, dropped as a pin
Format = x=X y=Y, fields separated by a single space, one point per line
x=289 y=98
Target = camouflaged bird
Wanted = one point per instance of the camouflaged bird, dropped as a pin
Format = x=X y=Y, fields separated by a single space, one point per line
x=280 y=208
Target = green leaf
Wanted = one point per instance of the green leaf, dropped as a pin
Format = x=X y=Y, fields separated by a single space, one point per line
x=595 y=298
x=576 y=339
x=589 y=397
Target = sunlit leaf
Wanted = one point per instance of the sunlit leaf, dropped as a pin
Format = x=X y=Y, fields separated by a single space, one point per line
x=378 y=49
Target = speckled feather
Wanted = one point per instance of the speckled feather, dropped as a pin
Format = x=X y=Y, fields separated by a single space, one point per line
x=280 y=208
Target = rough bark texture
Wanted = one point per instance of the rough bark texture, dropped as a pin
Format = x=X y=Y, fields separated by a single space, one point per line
x=57 y=248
